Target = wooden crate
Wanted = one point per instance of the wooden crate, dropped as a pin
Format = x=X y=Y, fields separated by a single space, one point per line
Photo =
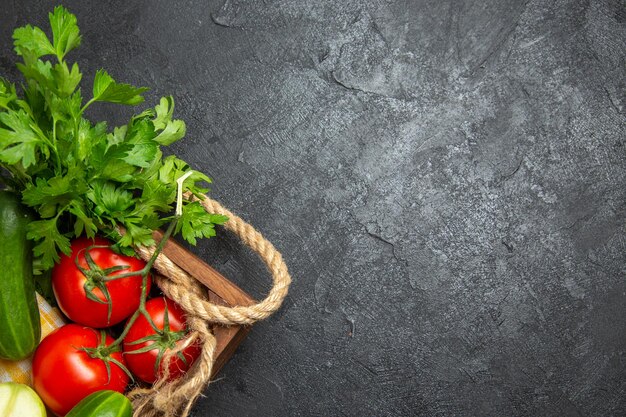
x=220 y=290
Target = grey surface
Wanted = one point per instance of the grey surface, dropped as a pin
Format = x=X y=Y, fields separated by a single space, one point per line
x=446 y=180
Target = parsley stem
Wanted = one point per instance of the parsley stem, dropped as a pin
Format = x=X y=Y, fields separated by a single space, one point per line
x=161 y=244
x=54 y=132
x=54 y=142
x=89 y=103
x=51 y=145
x=145 y=271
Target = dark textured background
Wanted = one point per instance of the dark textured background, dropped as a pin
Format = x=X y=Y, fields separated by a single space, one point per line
x=446 y=180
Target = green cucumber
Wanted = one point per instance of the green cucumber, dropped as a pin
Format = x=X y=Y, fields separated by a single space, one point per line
x=104 y=403
x=20 y=328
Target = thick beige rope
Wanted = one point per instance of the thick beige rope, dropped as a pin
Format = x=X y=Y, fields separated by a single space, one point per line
x=175 y=398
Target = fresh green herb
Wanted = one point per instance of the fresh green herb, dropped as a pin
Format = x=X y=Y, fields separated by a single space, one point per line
x=82 y=177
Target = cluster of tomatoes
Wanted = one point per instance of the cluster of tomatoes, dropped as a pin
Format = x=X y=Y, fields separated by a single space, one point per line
x=93 y=353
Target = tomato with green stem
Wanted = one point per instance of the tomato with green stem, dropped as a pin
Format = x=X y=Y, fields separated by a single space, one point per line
x=94 y=286
x=149 y=339
x=75 y=361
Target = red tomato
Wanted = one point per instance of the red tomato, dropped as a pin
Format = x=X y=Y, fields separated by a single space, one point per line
x=68 y=283
x=63 y=374
x=142 y=364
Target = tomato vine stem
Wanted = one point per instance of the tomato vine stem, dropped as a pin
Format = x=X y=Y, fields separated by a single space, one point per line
x=144 y=286
x=145 y=272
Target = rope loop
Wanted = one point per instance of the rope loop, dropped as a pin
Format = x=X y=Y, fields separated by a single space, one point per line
x=175 y=398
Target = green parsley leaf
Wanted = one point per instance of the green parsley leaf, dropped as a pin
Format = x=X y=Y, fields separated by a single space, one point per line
x=118 y=135
x=174 y=168
x=7 y=94
x=140 y=144
x=83 y=224
x=53 y=195
x=106 y=89
x=18 y=141
x=65 y=33
x=170 y=130
x=197 y=223
x=109 y=199
x=174 y=131
x=81 y=177
x=155 y=196
x=49 y=242
x=136 y=233
x=109 y=164
x=164 y=111
x=88 y=137
x=66 y=81
x=29 y=39
x=40 y=72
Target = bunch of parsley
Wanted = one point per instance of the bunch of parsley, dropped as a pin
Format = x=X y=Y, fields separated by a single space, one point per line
x=82 y=177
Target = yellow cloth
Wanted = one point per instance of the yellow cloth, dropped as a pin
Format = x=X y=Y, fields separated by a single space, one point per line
x=19 y=371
